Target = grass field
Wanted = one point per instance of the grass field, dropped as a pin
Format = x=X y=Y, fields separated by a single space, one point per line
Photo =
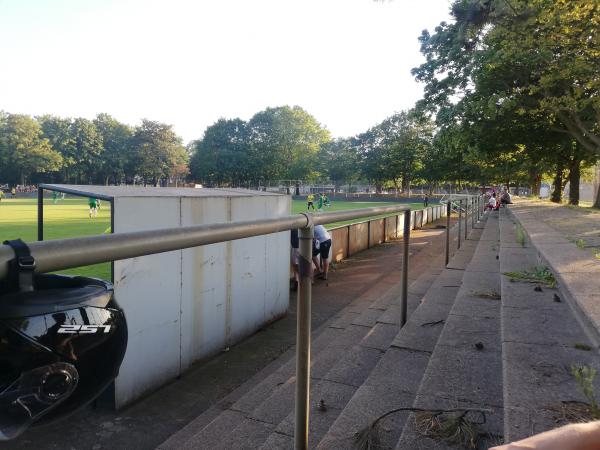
x=69 y=218
x=300 y=206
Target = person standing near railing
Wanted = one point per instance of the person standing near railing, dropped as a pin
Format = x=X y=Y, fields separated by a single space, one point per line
x=323 y=241
x=492 y=202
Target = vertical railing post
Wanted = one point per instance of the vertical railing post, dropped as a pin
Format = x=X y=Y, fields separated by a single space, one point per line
x=404 y=298
x=459 y=221
x=303 y=336
x=448 y=214
x=472 y=212
x=482 y=205
x=466 y=218
x=40 y=211
x=348 y=243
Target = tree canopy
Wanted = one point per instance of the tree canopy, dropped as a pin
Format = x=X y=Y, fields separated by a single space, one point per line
x=519 y=82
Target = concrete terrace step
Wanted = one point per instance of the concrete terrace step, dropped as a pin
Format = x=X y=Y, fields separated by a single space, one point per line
x=465 y=368
x=336 y=387
x=358 y=333
x=395 y=379
x=337 y=370
x=540 y=333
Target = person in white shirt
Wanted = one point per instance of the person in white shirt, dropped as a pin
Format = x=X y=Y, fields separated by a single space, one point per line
x=492 y=202
x=321 y=246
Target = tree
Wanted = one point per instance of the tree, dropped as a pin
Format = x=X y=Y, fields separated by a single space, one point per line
x=527 y=67
x=222 y=156
x=156 y=149
x=60 y=134
x=285 y=143
x=338 y=159
x=392 y=151
x=25 y=149
x=88 y=150
x=116 y=140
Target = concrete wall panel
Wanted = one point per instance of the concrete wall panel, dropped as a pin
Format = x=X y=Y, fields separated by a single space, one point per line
x=259 y=271
x=418 y=219
x=185 y=305
x=359 y=237
x=339 y=237
x=390 y=228
x=377 y=232
x=400 y=225
x=204 y=293
x=148 y=289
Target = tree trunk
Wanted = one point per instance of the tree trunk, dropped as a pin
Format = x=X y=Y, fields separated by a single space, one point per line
x=536 y=186
x=574 y=179
x=558 y=185
x=406 y=185
x=597 y=202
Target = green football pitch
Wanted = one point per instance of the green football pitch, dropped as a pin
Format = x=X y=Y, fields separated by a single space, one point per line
x=69 y=217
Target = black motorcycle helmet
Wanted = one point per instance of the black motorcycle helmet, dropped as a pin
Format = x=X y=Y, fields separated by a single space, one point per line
x=61 y=345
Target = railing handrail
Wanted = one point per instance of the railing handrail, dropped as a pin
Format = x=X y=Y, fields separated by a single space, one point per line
x=74 y=252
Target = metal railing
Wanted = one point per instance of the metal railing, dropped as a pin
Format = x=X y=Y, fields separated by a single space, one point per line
x=68 y=253
x=473 y=208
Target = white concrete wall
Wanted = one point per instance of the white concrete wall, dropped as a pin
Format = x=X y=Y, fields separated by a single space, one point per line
x=148 y=288
x=186 y=305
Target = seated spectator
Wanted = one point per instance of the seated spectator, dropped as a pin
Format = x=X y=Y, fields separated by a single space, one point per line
x=505 y=199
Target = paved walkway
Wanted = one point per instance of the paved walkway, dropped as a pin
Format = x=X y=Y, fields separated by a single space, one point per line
x=568 y=241
x=147 y=423
x=578 y=225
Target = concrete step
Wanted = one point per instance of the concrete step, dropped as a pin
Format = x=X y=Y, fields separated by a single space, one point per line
x=339 y=369
x=465 y=368
x=395 y=378
x=335 y=388
x=268 y=397
x=541 y=340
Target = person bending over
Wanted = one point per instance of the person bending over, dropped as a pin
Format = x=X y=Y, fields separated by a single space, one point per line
x=323 y=239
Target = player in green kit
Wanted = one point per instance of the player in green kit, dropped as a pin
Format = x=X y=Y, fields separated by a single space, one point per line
x=94 y=204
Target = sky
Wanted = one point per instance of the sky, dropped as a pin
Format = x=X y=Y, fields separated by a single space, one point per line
x=189 y=63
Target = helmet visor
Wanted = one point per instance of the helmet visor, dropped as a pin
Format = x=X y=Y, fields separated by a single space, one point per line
x=33 y=394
